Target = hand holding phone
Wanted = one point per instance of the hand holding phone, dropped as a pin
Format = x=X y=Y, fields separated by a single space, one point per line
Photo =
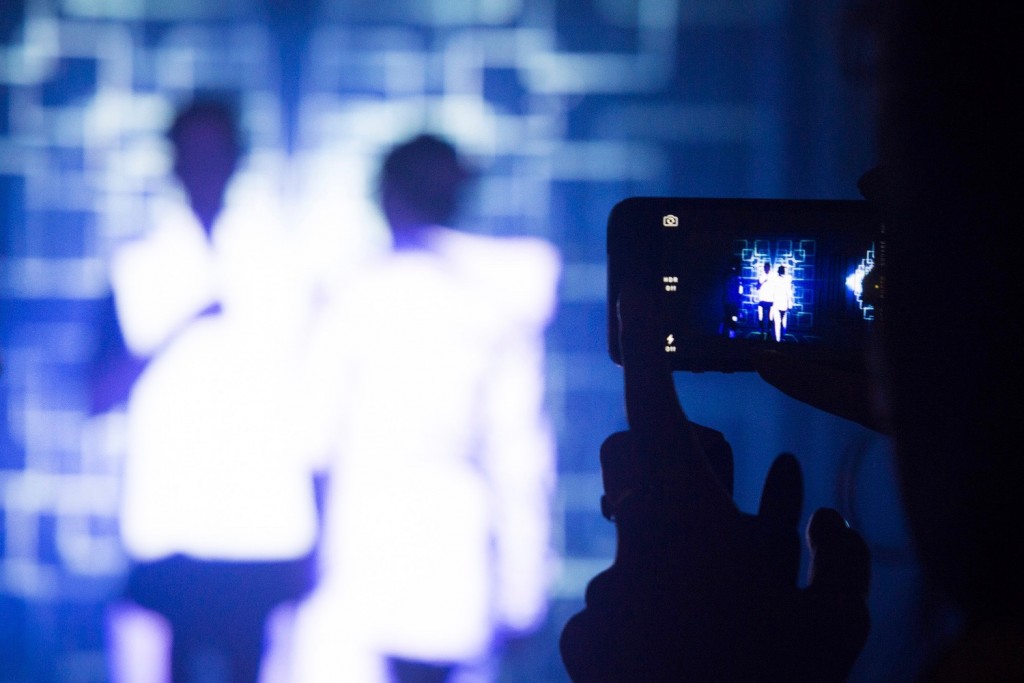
x=854 y=392
x=700 y=590
x=843 y=392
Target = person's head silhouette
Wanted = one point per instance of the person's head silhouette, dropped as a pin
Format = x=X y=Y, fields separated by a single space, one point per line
x=420 y=184
x=950 y=130
x=207 y=148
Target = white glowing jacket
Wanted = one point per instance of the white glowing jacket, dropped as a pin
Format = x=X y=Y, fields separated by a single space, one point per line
x=213 y=466
x=430 y=368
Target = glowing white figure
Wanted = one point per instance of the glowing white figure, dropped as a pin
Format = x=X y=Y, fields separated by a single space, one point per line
x=778 y=288
x=783 y=301
x=213 y=468
x=429 y=379
x=216 y=487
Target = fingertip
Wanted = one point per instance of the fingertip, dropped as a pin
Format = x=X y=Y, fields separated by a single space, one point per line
x=824 y=525
x=783 y=492
x=787 y=461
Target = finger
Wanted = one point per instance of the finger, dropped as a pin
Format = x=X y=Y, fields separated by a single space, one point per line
x=671 y=454
x=782 y=497
x=840 y=559
x=652 y=406
x=843 y=393
x=778 y=516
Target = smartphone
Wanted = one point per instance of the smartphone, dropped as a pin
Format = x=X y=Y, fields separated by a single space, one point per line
x=737 y=276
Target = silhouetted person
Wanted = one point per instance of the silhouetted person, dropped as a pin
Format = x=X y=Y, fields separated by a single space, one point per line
x=436 y=530
x=765 y=292
x=782 y=301
x=217 y=514
x=949 y=130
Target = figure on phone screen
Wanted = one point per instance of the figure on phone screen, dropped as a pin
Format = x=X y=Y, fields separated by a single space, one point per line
x=764 y=299
x=782 y=301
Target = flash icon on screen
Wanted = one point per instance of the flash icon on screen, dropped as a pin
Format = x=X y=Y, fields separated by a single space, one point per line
x=670 y=342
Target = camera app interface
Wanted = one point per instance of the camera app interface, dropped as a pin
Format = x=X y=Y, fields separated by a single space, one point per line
x=756 y=282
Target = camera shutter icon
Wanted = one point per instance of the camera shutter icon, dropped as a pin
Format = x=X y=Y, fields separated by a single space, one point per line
x=670 y=221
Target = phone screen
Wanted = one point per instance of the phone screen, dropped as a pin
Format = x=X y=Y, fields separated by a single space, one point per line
x=736 y=276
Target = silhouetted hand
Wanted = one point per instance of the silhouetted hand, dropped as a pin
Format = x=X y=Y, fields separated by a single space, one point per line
x=842 y=392
x=850 y=393
x=700 y=591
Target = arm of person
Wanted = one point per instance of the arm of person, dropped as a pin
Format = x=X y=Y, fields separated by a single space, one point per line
x=519 y=460
x=855 y=395
x=160 y=284
x=519 y=443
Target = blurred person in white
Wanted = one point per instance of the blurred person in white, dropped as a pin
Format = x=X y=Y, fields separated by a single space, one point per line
x=218 y=510
x=430 y=380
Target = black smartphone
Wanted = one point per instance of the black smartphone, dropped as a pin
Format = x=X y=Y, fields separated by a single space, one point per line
x=738 y=276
